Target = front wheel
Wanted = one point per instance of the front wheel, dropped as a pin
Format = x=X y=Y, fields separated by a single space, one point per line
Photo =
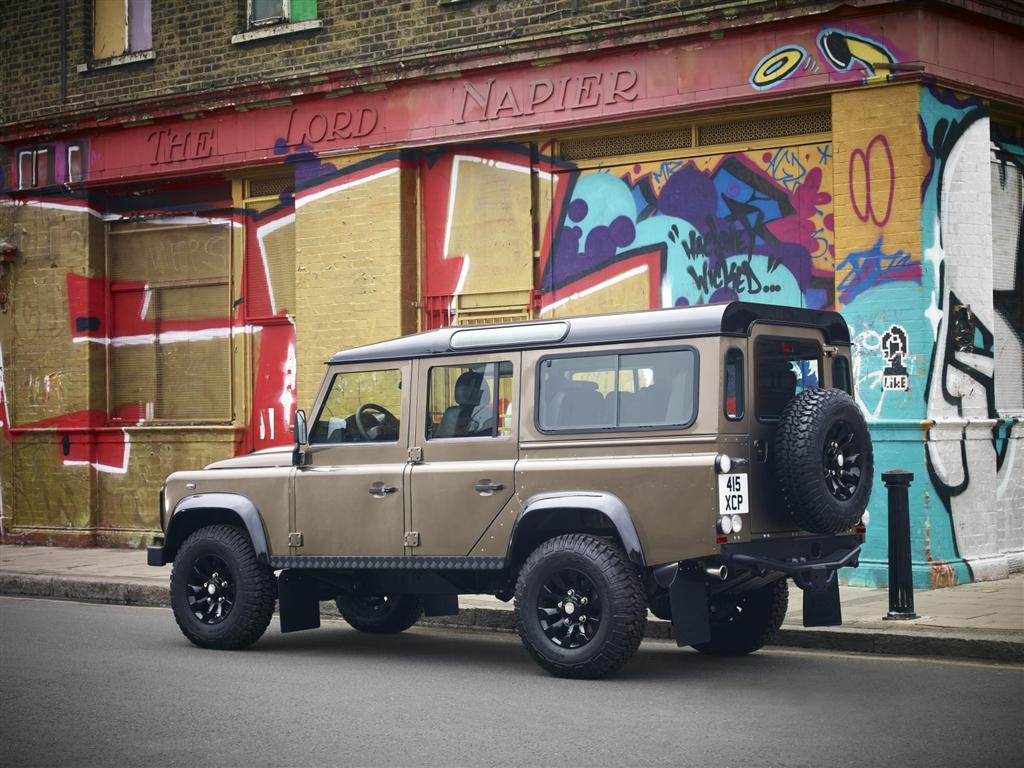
x=743 y=623
x=222 y=596
x=380 y=614
x=580 y=607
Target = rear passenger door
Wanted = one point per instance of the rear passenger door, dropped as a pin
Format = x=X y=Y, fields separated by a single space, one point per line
x=466 y=440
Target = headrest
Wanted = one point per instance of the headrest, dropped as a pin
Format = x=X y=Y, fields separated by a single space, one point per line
x=471 y=389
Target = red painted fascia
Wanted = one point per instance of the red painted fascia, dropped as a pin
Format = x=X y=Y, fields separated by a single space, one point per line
x=436 y=66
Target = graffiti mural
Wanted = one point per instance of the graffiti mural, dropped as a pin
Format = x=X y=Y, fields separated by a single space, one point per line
x=754 y=225
x=971 y=450
x=843 y=52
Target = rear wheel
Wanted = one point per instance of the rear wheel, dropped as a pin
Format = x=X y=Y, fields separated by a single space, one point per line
x=222 y=596
x=580 y=607
x=380 y=614
x=743 y=623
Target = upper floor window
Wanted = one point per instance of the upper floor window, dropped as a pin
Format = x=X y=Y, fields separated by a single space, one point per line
x=121 y=27
x=618 y=391
x=264 y=12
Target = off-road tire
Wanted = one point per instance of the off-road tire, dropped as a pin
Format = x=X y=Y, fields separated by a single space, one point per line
x=618 y=587
x=254 y=593
x=737 y=634
x=800 y=460
x=396 y=613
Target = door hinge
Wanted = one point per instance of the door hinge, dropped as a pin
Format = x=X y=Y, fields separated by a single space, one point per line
x=415 y=454
x=830 y=350
x=412 y=538
x=295 y=539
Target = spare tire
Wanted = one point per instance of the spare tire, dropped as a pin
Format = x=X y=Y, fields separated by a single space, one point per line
x=823 y=460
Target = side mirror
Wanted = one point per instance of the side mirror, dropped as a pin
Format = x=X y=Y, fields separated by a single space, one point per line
x=300 y=437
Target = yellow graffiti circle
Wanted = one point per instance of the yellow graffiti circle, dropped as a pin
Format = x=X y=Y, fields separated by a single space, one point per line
x=776 y=67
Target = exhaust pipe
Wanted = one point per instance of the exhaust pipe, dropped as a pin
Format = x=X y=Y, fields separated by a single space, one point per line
x=718 y=572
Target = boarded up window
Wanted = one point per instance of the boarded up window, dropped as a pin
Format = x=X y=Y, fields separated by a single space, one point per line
x=170 y=346
x=120 y=27
x=1007 y=273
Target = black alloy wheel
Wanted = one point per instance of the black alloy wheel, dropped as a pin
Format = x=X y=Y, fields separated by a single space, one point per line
x=841 y=460
x=823 y=462
x=221 y=594
x=569 y=608
x=211 y=589
x=580 y=606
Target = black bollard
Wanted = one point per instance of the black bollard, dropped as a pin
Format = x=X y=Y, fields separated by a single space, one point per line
x=901 y=579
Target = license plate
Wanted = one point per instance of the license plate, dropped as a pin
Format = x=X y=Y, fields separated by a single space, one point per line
x=732 y=495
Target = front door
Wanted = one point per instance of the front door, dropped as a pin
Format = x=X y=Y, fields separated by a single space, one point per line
x=466 y=428
x=350 y=494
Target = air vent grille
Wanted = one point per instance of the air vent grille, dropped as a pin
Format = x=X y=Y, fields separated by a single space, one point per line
x=626 y=144
x=776 y=126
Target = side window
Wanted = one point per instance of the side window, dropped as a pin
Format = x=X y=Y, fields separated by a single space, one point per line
x=361 y=407
x=841 y=378
x=471 y=400
x=628 y=391
x=733 y=384
x=785 y=368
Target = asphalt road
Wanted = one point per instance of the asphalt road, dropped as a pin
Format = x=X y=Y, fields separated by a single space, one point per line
x=106 y=685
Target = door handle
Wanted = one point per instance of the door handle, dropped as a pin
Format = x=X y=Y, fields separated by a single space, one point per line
x=486 y=487
x=382 y=490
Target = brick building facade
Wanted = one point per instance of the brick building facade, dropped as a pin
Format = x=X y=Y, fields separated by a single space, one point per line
x=203 y=201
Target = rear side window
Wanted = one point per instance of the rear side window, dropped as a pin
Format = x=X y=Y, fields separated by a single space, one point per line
x=841 y=378
x=645 y=390
x=785 y=368
x=733 y=384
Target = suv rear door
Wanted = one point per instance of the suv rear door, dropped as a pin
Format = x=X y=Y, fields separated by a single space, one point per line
x=784 y=361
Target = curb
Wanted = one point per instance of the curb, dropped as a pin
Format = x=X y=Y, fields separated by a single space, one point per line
x=950 y=644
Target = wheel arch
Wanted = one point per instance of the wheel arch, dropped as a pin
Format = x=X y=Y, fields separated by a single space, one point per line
x=549 y=514
x=202 y=509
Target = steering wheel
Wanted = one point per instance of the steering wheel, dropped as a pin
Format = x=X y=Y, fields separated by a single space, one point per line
x=371 y=434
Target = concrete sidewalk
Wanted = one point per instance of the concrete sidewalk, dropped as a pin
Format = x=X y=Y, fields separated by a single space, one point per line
x=983 y=620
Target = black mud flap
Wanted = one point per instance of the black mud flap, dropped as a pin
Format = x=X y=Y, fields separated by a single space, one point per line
x=688 y=597
x=298 y=600
x=440 y=605
x=822 y=607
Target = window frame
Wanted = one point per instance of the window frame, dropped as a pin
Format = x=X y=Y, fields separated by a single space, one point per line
x=494 y=395
x=130 y=52
x=757 y=366
x=741 y=395
x=841 y=361
x=251 y=23
x=35 y=152
x=618 y=352
x=226 y=283
x=329 y=387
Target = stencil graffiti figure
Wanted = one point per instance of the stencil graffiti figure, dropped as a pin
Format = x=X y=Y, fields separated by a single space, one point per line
x=895 y=346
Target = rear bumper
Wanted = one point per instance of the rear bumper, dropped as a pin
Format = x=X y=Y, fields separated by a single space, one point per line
x=811 y=562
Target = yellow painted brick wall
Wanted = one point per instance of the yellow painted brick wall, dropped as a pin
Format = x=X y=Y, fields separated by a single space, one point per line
x=870 y=126
x=355 y=271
